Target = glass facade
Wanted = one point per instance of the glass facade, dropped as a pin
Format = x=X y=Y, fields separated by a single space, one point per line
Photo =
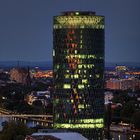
x=78 y=63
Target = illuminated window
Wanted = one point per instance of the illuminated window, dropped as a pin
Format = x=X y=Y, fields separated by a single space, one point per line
x=77 y=13
x=91 y=56
x=78 y=125
x=67 y=70
x=67 y=75
x=92 y=120
x=97 y=75
x=81 y=106
x=90 y=65
x=82 y=22
x=75 y=51
x=76 y=76
x=79 y=66
x=84 y=81
x=80 y=86
x=57 y=66
x=72 y=76
x=82 y=26
x=79 y=71
x=85 y=76
x=67 y=86
x=53 y=52
x=72 y=101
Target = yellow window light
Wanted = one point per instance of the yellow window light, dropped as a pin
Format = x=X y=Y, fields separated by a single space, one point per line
x=75 y=126
x=67 y=86
x=80 y=86
x=80 y=66
x=77 y=13
x=81 y=106
x=76 y=76
x=72 y=101
x=84 y=81
x=67 y=75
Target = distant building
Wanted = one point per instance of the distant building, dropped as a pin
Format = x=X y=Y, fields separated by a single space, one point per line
x=113 y=84
x=41 y=137
x=108 y=97
x=123 y=84
x=4 y=76
x=20 y=75
x=43 y=74
x=2 y=83
x=120 y=71
x=1 y=70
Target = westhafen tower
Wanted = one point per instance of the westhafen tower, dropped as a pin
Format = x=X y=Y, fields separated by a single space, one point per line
x=78 y=64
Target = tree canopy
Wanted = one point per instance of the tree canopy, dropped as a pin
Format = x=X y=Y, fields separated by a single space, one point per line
x=14 y=131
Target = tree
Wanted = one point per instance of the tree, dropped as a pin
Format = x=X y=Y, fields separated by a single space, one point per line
x=37 y=103
x=15 y=131
x=121 y=97
x=136 y=120
x=127 y=111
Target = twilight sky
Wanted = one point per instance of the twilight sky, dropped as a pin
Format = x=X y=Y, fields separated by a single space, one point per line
x=26 y=28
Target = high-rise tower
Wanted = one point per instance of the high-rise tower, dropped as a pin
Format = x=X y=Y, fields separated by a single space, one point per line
x=78 y=60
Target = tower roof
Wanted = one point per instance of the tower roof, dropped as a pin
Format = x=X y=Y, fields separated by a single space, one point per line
x=76 y=13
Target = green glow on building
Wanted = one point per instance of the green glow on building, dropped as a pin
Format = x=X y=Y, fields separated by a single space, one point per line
x=78 y=126
x=79 y=21
x=84 y=81
x=100 y=121
x=67 y=86
x=81 y=56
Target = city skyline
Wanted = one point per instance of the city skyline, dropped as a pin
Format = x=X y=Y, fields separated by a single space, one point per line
x=26 y=28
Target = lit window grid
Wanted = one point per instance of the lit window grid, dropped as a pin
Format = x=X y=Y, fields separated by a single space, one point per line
x=79 y=22
x=79 y=86
x=79 y=126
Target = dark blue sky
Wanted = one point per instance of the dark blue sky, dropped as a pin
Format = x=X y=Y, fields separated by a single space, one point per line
x=26 y=27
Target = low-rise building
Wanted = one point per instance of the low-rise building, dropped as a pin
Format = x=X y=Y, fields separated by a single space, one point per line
x=108 y=97
x=20 y=75
x=123 y=84
x=113 y=84
x=56 y=136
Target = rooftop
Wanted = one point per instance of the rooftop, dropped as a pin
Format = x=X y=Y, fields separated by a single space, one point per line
x=77 y=13
x=62 y=135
